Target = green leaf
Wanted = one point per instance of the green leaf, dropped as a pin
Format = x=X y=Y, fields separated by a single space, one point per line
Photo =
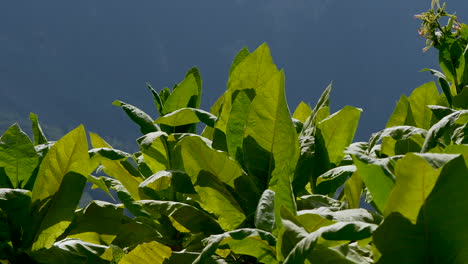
x=331 y=180
x=302 y=112
x=252 y=72
x=53 y=215
x=17 y=156
x=376 y=177
x=458 y=149
x=72 y=251
x=185 y=116
x=98 y=223
x=141 y=118
x=445 y=124
x=191 y=218
x=338 y=131
x=440 y=232
x=162 y=180
x=236 y=124
x=415 y=179
x=271 y=146
x=155 y=150
x=420 y=98
x=315 y=201
x=186 y=94
x=446 y=89
x=402 y=114
x=353 y=190
x=116 y=168
x=241 y=55
x=39 y=136
x=14 y=205
x=246 y=241
x=158 y=102
x=147 y=253
x=265 y=213
x=346 y=215
x=216 y=177
x=461 y=100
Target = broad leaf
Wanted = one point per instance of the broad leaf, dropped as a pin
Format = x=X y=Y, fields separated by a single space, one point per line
x=445 y=124
x=147 y=253
x=236 y=124
x=302 y=112
x=402 y=114
x=17 y=156
x=155 y=150
x=98 y=223
x=185 y=94
x=338 y=131
x=265 y=213
x=331 y=180
x=420 y=98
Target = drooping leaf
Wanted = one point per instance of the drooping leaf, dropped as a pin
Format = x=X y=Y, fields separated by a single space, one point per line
x=17 y=156
x=185 y=116
x=117 y=168
x=338 y=131
x=316 y=201
x=147 y=253
x=98 y=223
x=141 y=118
x=39 y=136
x=331 y=180
x=445 y=124
x=246 y=241
x=155 y=151
x=186 y=215
x=72 y=251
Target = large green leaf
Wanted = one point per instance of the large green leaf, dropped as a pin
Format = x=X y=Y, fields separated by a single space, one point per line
x=147 y=253
x=17 y=156
x=353 y=190
x=331 y=180
x=440 y=234
x=141 y=118
x=98 y=223
x=396 y=133
x=420 y=98
x=117 y=168
x=252 y=72
x=185 y=116
x=215 y=177
x=68 y=154
x=271 y=147
x=53 y=215
x=338 y=131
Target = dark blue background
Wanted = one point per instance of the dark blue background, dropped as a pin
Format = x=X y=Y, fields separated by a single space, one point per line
x=68 y=60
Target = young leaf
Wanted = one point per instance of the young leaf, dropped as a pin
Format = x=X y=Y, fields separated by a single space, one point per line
x=302 y=112
x=141 y=118
x=187 y=93
x=39 y=136
x=236 y=124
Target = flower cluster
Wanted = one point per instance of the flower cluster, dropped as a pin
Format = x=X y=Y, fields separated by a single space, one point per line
x=431 y=28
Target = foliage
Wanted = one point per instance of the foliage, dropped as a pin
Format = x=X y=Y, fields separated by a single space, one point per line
x=257 y=185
